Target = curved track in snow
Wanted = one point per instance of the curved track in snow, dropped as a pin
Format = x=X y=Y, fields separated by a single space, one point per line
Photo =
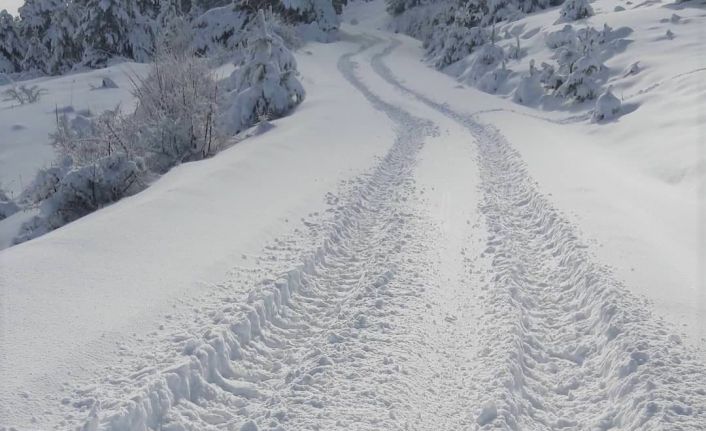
x=566 y=347
x=334 y=342
x=372 y=332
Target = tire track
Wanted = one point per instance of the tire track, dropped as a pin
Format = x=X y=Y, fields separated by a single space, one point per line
x=566 y=347
x=265 y=364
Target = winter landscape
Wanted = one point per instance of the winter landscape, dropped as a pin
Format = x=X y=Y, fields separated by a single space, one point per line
x=287 y=215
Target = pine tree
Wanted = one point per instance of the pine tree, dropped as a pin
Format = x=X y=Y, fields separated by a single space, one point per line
x=114 y=28
x=35 y=58
x=64 y=48
x=397 y=7
x=573 y=10
x=322 y=12
x=36 y=18
x=11 y=46
x=266 y=86
x=172 y=28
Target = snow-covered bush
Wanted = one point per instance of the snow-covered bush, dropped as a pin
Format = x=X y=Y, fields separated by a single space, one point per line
x=45 y=182
x=607 y=107
x=548 y=77
x=265 y=86
x=452 y=29
x=321 y=12
x=7 y=205
x=574 y=10
x=455 y=44
x=580 y=86
x=86 y=140
x=559 y=38
x=53 y=36
x=426 y=21
x=397 y=7
x=487 y=69
x=580 y=72
x=176 y=110
x=105 y=158
x=83 y=190
x=530 y=90
x=173 y=121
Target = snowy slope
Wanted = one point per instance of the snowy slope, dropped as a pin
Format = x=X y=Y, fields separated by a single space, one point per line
x=101 y=288
x=636 y=185
x=25 y=129
x=401 y=253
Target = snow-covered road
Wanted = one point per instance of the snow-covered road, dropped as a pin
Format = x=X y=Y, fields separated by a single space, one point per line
x=577 y=350
x=438 y=288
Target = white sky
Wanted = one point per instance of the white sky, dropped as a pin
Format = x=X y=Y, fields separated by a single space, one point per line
x=11 y=5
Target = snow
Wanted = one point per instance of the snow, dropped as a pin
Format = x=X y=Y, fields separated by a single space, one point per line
x=99 y=287
x=402 y=252
x=607 y=107
x=25 y=129
x=12 y=5
x=637 y=197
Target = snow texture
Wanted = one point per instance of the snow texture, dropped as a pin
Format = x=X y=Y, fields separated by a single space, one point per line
x=460 y=261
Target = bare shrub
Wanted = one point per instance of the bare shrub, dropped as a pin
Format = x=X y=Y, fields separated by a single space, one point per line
x=23 y=94
x=176 y=109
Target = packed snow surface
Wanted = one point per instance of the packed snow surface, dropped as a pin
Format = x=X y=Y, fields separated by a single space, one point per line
x=402 y=252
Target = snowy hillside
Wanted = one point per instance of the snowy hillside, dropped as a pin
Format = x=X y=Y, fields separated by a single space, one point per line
x=414 y=215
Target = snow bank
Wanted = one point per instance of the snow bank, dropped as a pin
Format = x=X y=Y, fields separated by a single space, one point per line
x=121 y=270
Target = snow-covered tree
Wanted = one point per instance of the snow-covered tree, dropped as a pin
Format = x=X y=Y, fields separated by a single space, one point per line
x=64 y=48
x=455 y=43
x=397 y=7
x=320 y=12
x=83 y=190
x=45 y=182
x=150 y=8
x=35 y=58
x=266 y=85
x=36 y=17
x=114 y=28
x=338 y=5
x=176 y=110
x=204 y=5
x=172 y=28
x=573 y=10
x=7 y=205
x=220 y=29
x=12 y=48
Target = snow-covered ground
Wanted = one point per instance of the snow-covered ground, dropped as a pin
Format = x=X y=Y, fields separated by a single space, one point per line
x=636 y=185
x=25 y=129
x=402 y=252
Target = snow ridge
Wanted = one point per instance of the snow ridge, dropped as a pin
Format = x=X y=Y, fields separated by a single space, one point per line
x=566 y=346
x=263 y=359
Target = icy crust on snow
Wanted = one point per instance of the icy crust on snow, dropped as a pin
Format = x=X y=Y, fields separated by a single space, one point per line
x=564 y=344
x=236 y=365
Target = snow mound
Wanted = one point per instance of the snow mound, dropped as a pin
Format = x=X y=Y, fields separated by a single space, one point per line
x=607 y=107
